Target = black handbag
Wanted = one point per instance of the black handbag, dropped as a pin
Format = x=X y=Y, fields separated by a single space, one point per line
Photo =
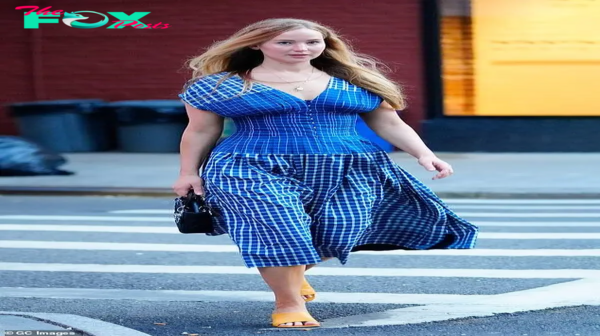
x=193 y=215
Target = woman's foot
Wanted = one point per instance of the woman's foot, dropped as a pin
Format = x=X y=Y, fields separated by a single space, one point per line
x=299 y=312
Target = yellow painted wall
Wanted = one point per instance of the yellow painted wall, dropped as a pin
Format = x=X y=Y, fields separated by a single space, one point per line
x=536 y=57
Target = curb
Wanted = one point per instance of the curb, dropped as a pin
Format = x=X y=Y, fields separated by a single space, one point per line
x=87 y=326
x=87 y=191
x=164 y=192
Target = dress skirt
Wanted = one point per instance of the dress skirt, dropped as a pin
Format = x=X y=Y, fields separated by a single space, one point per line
x=295 y=209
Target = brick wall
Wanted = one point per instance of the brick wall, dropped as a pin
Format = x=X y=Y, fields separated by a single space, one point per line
x=59 y=62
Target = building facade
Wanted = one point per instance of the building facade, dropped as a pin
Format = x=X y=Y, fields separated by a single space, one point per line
x=59 y=62
x=512 y=75
x=471 y=86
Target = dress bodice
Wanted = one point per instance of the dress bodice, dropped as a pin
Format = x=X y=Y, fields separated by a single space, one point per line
x=268 y=120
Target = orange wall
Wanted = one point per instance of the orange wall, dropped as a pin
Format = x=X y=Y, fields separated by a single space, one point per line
x=536 y=57
x=457 y=65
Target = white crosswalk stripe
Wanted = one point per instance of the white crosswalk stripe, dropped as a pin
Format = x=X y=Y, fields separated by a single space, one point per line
x=556 y=239
x=66 y=245
x=327 y=271
x=173 y=230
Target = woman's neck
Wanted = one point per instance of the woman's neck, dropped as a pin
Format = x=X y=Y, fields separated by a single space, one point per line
x=286 y=67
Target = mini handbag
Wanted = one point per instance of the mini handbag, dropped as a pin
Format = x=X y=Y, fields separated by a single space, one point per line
x=192 y=214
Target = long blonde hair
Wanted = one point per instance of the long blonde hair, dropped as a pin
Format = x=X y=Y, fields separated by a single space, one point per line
x=235 y=56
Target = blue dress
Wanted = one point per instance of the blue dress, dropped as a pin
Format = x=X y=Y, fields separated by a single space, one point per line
x=296 y=183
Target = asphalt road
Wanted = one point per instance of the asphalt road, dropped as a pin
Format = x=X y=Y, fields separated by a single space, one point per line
x=535 y=271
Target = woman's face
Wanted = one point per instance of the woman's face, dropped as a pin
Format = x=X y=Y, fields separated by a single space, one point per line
x=294 y=46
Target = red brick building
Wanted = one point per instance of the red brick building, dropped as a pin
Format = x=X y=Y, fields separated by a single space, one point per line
x=470 y=86
x=59 y=62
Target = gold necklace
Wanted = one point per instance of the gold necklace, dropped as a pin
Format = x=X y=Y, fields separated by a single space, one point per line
x=299 y=87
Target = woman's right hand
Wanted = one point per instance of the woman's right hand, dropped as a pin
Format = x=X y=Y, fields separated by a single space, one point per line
x=186 y=182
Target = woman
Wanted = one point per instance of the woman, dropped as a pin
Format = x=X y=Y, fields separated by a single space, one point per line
x=295 y=184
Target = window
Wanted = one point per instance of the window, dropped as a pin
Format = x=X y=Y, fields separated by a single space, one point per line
x=520 y=57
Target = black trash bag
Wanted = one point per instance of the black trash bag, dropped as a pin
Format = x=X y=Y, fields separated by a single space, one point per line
x=20 y=157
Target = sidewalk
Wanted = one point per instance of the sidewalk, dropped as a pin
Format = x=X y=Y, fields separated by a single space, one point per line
x=483 y=175
x=70 y=325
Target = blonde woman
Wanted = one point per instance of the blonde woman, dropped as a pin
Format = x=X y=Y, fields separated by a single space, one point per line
x=296 y=184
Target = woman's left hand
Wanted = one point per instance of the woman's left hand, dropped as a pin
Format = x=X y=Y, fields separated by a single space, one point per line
x=433 y=163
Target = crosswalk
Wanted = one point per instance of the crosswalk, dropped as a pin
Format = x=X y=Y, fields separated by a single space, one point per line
x=532 y=254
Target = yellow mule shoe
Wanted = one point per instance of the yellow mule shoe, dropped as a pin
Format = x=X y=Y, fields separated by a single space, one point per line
x=283 y=318
x=307 y=292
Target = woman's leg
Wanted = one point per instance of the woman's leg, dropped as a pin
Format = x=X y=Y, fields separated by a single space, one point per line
x=285 y=283
x=308 y=293
x=313 y=265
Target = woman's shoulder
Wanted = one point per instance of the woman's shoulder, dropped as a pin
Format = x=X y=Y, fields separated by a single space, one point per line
x=209 y=89
x=347 y=85
x=211 y=80
x=223 y=83
x=359 y=95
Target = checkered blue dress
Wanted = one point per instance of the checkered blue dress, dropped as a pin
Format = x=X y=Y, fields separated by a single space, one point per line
x=296 y=183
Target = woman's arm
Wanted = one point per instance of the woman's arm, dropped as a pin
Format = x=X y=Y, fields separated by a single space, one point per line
x=386 y=123
x=200 y=136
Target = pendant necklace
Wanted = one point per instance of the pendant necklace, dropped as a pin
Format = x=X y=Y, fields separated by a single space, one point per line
x=299 y=87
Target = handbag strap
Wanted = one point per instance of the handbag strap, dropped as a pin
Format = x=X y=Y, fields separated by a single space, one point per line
x=195 y=201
